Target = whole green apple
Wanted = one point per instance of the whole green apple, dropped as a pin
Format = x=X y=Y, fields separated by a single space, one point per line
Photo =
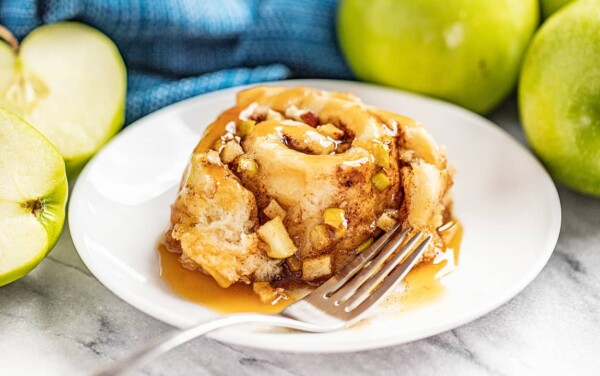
x=550 y=6
x=464 y=51
x=559 y=95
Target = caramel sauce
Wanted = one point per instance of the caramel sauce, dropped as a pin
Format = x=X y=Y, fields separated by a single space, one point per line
x=201 y=288
x=423 y=284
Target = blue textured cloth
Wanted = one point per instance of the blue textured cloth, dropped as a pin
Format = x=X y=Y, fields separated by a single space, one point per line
x=180 y=48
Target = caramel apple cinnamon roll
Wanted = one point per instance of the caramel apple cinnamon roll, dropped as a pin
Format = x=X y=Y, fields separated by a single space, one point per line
x=294 y=182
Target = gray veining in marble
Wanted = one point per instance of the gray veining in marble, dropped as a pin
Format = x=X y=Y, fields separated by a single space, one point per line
x=59 y=320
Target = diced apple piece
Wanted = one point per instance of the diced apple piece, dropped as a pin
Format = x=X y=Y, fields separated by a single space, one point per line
x=274 y=210
x=247 y=165
x=380 y=181
x=319 y=236
x=331 y=131
x=364 y=245
x=266 y=292
x=231 y=151
x=245 y=128
x=335 y=218
x=276 y=236
x=316 y=267
x=381 y=153
x=386 y=222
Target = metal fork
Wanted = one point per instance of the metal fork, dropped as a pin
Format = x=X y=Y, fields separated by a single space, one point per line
x=338 y=303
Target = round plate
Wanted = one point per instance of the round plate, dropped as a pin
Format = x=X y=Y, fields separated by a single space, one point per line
x=505 y=199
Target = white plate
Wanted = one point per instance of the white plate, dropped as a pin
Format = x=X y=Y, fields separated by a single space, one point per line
x=506 y=201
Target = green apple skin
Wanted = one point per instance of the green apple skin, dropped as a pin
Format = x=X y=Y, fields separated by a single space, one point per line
x=465 y=51
x=31 y=170
x=550 y=6
x=72 y=88
x=559 y=96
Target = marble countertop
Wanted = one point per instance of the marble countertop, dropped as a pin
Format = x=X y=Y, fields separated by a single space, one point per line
x=59 y=320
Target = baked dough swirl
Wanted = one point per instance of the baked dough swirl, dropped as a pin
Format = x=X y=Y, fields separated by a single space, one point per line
x=333 y=171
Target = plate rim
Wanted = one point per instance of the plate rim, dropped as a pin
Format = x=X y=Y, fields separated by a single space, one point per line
x=167 y=316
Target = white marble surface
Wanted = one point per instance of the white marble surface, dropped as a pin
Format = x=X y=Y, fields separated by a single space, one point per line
x=59 y=320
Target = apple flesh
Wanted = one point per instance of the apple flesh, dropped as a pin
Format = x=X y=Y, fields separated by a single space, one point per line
x=68 y=80
x=464 y=51
x=33 y=196
x=559 y=96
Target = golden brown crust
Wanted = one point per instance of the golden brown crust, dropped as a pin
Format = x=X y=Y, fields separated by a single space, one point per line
x=306 y=168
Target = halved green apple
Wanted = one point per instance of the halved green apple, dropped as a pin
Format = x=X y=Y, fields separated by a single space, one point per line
x=33 y=196
x=68 y=80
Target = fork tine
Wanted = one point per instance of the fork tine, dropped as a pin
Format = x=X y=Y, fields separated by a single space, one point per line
x=356 y=265
x=386 y=279
x=369 y=270
x=321 y=307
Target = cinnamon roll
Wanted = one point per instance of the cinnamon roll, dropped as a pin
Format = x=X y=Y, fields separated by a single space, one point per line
x=294 y=182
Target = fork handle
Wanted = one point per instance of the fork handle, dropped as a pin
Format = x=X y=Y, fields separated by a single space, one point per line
x=170 y=341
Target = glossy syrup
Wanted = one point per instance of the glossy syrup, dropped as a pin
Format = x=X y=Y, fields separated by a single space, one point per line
x=422 y=285
x=201 y=288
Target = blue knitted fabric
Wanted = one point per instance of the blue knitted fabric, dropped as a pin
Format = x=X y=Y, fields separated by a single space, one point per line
x=180 y=48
